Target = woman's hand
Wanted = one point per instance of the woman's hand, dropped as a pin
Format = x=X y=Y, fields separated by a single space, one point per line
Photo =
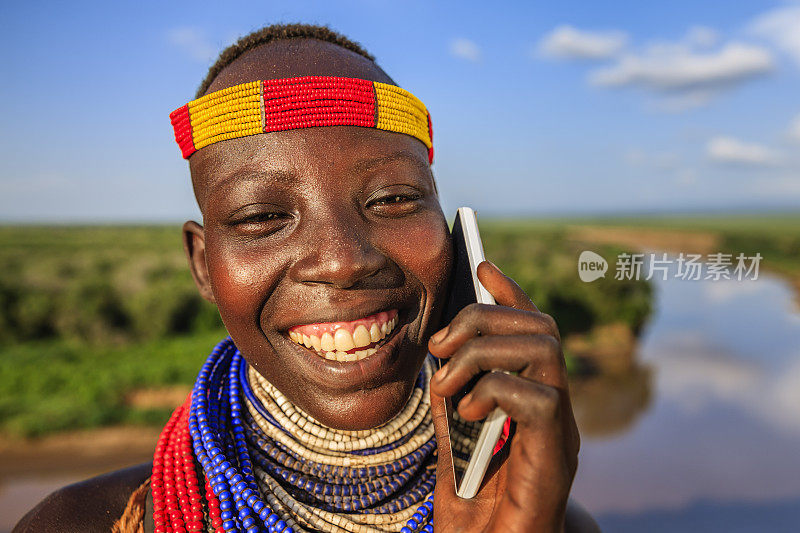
x=527 y=485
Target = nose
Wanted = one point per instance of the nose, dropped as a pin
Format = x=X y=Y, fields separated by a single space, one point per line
x=337 y=251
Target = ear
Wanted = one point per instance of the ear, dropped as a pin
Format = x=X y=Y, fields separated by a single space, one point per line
x=194 y=244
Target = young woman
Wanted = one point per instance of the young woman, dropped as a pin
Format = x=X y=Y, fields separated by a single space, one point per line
x=326 y=251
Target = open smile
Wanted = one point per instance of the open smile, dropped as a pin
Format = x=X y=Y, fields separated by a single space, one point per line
x=347 y=341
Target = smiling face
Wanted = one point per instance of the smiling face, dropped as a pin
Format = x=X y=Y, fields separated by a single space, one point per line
x=326 y=232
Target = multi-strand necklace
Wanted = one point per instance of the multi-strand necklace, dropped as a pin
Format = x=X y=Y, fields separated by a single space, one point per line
x=265 y=465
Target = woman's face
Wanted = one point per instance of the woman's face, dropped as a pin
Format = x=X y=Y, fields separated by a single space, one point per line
x=321 y=229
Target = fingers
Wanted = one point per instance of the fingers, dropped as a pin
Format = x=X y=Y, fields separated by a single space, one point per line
x=529 y=403
x=486 y=319
x=534 y=357
x=504 y=289
x=445 y=479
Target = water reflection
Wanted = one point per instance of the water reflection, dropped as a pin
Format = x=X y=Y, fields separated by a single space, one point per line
x=606 y=405
x=718 y=426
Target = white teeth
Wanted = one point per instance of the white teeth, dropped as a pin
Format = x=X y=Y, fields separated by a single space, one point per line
x=361 y=336
x=343 y=340
x=335 y=347
x=327 y=342
x=375 y=333
x=347 y=357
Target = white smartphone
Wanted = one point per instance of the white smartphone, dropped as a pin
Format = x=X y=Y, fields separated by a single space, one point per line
x=472 y=444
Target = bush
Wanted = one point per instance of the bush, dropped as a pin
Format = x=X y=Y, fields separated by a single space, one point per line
x=97 y=285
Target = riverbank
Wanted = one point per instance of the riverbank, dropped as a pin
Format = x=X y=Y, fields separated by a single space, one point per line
x=76 y=452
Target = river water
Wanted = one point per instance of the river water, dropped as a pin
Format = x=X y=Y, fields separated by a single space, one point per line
x=704 y=435
x=708 y=432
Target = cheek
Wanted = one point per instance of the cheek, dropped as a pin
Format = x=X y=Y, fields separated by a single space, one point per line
x=240 y=279
x=424 y=252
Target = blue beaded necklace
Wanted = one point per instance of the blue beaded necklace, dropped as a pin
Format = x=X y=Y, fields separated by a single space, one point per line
x=266 y=483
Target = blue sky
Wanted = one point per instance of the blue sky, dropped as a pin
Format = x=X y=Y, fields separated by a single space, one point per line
x=538 y=107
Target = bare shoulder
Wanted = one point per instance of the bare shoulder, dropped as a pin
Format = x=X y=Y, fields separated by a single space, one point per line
x=578 y=519
x=91 y=505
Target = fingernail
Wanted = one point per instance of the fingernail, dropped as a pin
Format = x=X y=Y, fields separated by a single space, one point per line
x=495 y=266
x=441 y=334
x=465 y=400
x=442 y=373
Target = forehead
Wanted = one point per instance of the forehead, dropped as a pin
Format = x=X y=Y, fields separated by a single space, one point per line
x=330 y=157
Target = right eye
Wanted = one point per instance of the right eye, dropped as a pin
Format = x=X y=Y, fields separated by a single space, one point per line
x=260 y=223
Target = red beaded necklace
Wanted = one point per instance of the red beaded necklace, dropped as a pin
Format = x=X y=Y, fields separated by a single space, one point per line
x=177 y=501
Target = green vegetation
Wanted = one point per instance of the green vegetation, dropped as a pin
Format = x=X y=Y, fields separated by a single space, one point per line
x=90 y=314
x=58 y=385
x=97 y=285
x=543 y=260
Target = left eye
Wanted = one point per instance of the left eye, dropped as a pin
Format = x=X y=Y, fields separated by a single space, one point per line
x=261 y=217
x=394 y=199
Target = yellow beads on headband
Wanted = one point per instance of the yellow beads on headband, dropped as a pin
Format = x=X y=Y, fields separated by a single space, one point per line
x=303 y=102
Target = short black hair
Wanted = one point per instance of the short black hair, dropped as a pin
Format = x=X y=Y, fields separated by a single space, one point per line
x=277 y=32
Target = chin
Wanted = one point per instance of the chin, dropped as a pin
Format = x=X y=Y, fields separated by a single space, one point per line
x=367 y=409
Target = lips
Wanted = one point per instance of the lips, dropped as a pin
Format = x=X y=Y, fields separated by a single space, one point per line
x=346 y=341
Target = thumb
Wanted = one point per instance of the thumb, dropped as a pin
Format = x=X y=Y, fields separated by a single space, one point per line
x=445 y=478
x=504 y=289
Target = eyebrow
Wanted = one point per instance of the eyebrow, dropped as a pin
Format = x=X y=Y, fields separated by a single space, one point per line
x=290 y=177
x=365 y=165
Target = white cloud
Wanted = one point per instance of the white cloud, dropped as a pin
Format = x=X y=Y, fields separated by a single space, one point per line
x=465 y=49
x=794 y=129
x=568 y=42
x=193 y=42
x=676 y=67
x=685 y=73
x=732 y=151
x=780 y=26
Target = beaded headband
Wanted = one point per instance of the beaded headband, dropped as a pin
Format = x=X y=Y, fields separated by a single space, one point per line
x=303 y=102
